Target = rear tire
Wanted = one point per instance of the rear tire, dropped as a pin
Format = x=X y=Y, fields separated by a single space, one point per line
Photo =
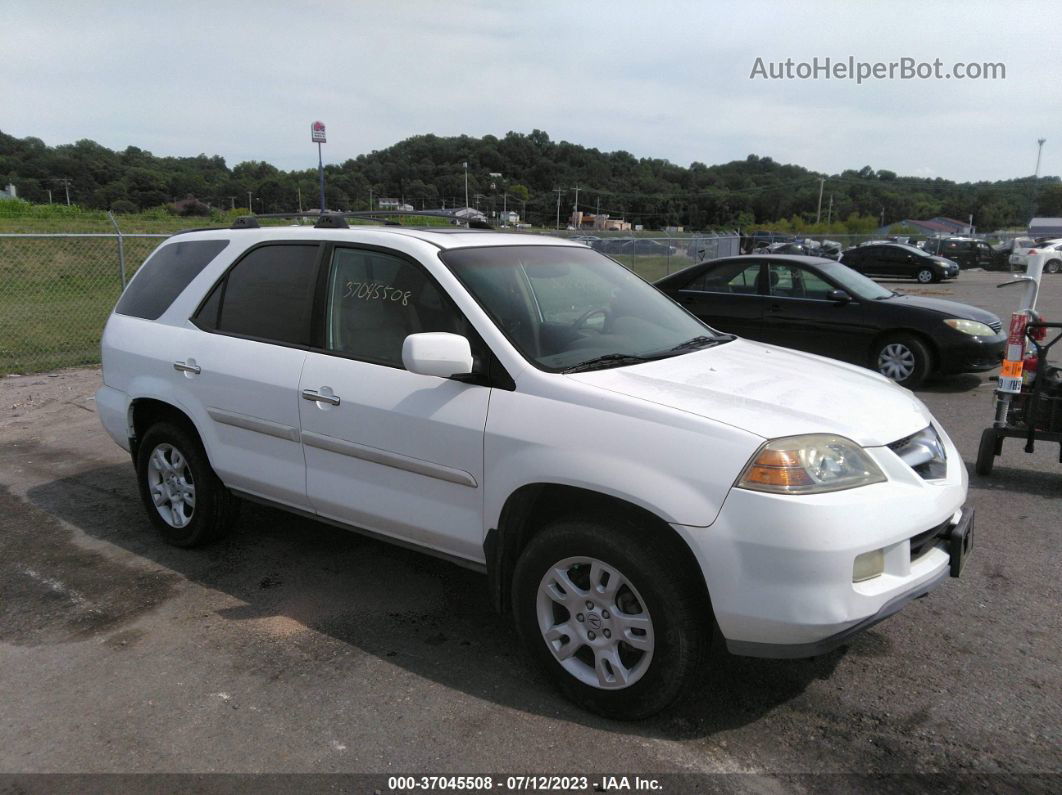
x=1054 y=266
x=902 y=358
x=183 y=497
x=986 y=452
x=581 y=588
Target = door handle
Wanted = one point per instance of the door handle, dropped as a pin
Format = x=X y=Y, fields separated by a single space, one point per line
x=181 y=367
x=317 y=397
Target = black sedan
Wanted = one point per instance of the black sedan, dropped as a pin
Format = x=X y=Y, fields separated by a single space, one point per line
x=821 y=306
x=899 y=260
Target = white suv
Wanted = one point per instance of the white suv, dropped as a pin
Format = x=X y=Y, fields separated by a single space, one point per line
x=628 y=478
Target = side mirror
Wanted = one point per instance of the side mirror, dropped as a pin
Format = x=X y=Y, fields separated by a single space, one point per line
x=840 y=296
x=437 y=353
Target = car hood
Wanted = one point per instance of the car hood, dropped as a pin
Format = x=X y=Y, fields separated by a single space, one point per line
x=943 y=306
x=772 y=392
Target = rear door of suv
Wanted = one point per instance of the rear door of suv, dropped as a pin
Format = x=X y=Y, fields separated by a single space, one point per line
x=243 y=365
x=388 y=450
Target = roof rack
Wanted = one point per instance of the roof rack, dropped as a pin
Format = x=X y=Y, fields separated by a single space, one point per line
x=331 y=220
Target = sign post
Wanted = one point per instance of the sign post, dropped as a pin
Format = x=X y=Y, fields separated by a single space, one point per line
x=317 y=135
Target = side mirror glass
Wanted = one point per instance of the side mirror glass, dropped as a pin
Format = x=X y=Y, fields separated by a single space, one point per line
x=840 y=296
x=437 y=353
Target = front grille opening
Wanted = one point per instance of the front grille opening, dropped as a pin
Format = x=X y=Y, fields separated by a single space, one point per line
x=925 y=541
x=924 y=453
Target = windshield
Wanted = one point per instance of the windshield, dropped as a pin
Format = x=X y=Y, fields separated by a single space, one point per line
x=854 y=283
x=565 y=306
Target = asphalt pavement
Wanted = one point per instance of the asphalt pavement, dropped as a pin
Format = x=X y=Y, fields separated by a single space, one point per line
x=297 y=647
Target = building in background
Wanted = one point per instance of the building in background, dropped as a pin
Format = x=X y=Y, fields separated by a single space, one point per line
x=600 y=222
x=1045 y=227
x=8 y=193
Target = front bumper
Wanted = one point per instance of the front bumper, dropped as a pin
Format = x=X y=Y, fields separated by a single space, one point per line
x=779 y=568
x=965 y=354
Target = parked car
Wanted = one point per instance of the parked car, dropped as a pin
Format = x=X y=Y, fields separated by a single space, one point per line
x=1051 y=248
x=645 y=247
x=1019 y=250
x=821 y=306
x=967 y=251
x=632 y=482
x=898 y=260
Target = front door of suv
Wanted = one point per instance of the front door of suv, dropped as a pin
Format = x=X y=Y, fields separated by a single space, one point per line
x=388 y=450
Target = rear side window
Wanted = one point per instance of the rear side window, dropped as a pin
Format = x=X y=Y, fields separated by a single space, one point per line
x=267 y=295
x=165 y=274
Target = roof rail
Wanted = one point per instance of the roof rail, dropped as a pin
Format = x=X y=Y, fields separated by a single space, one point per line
x=328 y=220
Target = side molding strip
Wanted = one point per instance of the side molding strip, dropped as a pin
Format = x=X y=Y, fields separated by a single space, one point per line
x=267 y=427
x=388 y=459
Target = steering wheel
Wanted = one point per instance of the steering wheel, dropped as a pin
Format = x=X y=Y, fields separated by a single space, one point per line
x=580 y=321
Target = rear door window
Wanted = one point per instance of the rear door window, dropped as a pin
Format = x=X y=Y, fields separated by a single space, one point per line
x=165 y=275
x=267 y=295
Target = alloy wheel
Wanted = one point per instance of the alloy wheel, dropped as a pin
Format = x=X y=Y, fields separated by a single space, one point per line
x=595 y=623
x=171 y=485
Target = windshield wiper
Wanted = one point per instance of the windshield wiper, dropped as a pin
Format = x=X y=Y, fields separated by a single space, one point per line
x=702 y=342
x=608 y=360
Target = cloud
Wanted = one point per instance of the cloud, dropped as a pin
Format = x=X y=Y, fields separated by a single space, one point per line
x=667 y=80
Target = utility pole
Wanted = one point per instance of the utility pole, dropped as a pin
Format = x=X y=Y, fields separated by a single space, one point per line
x=298 y=188
x=466 y=184
x=65 y=182
x=370 y=197
x=232 y=202
x=829 y=212
x=1039 y=151
x=49 y=195
x=818 y=212
x=883 y=216
x=558 y=191
x=249 y=207
x=575 y=207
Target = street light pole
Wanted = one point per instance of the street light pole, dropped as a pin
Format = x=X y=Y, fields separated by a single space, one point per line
x=466 y=184
x=249 y=207
x=818 y=212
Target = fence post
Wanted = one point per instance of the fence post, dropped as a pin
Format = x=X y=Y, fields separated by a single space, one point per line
x=121 y=248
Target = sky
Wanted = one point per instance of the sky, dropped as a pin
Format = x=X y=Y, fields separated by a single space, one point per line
x=658 y=79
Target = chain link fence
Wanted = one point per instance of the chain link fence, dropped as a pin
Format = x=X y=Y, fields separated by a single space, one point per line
x=56 y=291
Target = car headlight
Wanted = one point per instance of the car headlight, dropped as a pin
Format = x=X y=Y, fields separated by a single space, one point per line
x=810 y=464
x=971 y=327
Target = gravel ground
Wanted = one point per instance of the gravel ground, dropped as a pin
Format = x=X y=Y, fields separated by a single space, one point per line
x=297 y=647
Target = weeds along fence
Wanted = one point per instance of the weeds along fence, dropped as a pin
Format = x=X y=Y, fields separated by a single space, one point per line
x=56 y=291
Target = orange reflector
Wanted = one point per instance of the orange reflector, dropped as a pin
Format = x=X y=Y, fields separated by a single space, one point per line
x=1011 y=369
x=777 y=476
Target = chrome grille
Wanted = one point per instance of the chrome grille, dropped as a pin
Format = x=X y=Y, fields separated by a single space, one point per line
x=923 y=452
x=996 y=326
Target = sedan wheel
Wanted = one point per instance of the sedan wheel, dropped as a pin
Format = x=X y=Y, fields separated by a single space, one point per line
x=1053 y=266
x=903 y=359
x=925 y=276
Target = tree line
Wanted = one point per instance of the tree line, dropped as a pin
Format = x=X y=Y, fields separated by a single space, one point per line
x=530 y=174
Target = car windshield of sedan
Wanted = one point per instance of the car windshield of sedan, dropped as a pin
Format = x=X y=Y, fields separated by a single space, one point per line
x=569 y=308
x=854 y=283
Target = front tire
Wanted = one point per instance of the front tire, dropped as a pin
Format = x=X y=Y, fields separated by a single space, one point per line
x=986 y=452
x=904 y=359
x=610 y=616
x=1054 y=266
x=183 y=497
x=926 y=275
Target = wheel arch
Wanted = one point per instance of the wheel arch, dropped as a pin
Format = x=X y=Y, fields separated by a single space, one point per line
x=531 y=507
x=145 y=412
